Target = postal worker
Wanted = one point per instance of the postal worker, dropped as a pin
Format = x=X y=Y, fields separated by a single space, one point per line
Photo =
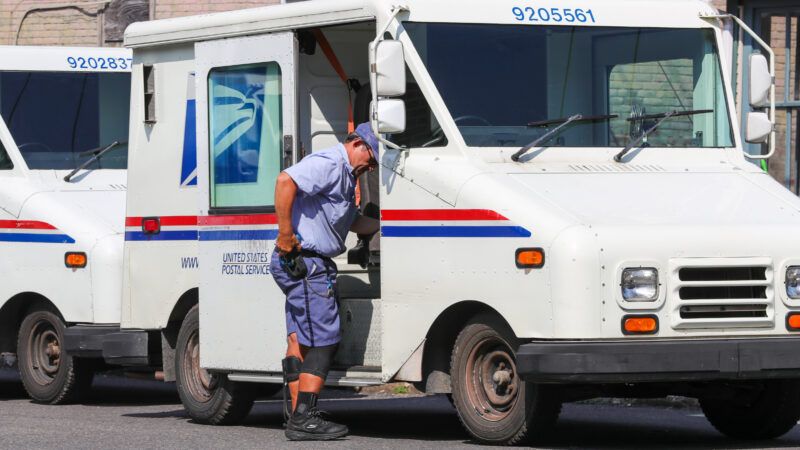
x=315 y=206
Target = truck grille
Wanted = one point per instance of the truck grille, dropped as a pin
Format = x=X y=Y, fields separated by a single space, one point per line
x=721 y=293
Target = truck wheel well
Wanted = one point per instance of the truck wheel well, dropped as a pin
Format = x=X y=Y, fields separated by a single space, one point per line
x=13 y=312
x=440 y=340
x=169 y=335
x=184 y=304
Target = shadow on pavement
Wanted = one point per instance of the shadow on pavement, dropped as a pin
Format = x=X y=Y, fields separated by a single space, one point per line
x=106 y=390
x=10 y=386
x=109 y=390
x=429 y=418
x=639 y=428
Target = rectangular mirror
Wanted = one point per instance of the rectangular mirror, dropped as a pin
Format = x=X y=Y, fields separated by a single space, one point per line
x=390 y=68
x=759 y=128
x=760 y=81
x=391 y=115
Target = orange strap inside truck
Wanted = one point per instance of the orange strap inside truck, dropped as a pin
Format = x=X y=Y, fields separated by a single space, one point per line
x=328 y=51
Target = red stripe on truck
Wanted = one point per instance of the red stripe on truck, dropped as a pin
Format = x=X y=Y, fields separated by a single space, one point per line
x=440 y=214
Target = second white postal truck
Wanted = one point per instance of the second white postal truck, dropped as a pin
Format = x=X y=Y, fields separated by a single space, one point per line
x=63 y=157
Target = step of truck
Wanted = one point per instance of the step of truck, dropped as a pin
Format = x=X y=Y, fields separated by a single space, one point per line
x=361 y=376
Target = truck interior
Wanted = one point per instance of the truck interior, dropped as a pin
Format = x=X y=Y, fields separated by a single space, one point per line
x=323 y=99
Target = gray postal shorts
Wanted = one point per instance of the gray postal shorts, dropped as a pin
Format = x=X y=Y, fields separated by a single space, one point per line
x=310 y=311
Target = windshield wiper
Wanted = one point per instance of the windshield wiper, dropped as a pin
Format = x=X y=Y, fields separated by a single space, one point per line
x=544 y=123
x=98 y=153
x=550 y=134
x=661 y=118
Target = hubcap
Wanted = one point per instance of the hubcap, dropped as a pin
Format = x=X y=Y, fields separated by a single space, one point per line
x=199 y=382
x=44 y=356
x=491 y=378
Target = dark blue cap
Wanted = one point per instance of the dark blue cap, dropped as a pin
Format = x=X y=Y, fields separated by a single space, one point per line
x=364 y=131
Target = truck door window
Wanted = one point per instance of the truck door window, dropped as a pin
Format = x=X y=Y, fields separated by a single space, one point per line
x=56 y=117
x=245 y=129
x=422 y=128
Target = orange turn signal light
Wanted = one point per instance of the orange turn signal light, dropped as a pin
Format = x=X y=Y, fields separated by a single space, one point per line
x=639 y=325
x=793 y=321
x=529 y=258
x=75 y=260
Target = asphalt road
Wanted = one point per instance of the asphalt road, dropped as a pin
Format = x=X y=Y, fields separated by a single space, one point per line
x=124 y=413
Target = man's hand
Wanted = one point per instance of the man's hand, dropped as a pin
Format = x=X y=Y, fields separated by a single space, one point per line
x=285 y=192
x=286 y=243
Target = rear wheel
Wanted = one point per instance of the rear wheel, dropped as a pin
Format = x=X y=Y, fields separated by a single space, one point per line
x=48 y=373
x=208 y=398
x=756 y=410
x=494 y=403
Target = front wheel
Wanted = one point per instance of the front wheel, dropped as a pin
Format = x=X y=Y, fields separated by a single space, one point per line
x=208 y=398
x=49 y=374
x=493 y=402
x=755 y=410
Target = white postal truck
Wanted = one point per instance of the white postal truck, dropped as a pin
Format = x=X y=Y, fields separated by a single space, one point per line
x=566 y=208
x=63 y=155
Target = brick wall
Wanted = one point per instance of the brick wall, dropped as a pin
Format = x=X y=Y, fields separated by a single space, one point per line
x=176 y=8
x=91 y=22
x=777 y=34
x=66 y=26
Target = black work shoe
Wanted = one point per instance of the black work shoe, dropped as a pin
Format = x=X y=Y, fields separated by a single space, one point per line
x=310 y=426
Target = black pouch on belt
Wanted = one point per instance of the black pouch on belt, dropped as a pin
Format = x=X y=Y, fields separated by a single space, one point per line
x=294 y=264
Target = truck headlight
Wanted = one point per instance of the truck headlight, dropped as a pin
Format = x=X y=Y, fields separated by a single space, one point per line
x=793 y=282
x=640 y=285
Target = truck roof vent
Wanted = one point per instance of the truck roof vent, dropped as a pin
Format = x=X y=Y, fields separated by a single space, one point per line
x=588 y=168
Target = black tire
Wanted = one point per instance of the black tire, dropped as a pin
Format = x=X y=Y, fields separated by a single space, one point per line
x=493 y=402
x=49 y=374
x=765 y=410
x=208 y=398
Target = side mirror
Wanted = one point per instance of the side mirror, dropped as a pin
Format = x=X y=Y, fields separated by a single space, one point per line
x=390 y=69
x=390 y=114
x=759 y=128
x=760 y=81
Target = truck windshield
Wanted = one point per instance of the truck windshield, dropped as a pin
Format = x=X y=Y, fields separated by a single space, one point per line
x=503 y=83
x=56 y=117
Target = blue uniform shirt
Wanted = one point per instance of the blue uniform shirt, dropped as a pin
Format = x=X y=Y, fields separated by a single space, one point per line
x=325 y=206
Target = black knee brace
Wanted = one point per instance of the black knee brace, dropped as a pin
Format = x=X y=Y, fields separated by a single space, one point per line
x=318 y=360
x=291 y=372
x=291 y=368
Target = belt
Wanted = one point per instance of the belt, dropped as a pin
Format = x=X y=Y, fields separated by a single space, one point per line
x=313 y=254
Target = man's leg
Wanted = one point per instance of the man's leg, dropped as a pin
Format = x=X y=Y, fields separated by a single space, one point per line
x=292 y=366
x=302 y=378
x=306 y=423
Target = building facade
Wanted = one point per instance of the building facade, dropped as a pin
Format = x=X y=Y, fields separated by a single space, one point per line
x=95 y=23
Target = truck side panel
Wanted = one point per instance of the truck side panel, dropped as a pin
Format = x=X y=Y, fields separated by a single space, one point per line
x=160 y=267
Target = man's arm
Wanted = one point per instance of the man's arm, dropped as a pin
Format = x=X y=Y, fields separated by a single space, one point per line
x=364 y=225
x=285 y=192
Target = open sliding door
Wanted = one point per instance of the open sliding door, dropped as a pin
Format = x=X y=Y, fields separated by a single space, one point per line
x=246 y=105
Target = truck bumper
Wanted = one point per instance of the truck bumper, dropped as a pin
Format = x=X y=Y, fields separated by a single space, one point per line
x=641 y=361
x=124 y=348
